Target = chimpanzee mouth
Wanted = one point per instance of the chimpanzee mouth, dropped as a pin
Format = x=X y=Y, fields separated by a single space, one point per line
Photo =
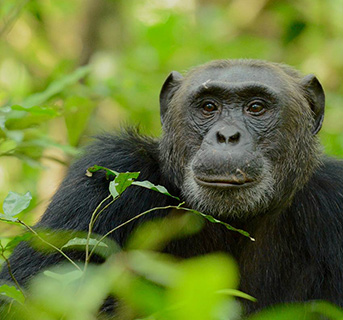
x=231 y=181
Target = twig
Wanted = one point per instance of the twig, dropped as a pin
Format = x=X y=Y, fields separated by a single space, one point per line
x=10 y=271
x=95 y=216
x=49 y=244
x=128 y=221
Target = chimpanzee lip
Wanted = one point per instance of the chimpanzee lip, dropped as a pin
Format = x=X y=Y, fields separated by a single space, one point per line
x=224 y=182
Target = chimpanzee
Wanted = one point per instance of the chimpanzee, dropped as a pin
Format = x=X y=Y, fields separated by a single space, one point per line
x=239 y=142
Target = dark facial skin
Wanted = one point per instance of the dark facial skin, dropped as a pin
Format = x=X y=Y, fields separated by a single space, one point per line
x=231 y=130
x=231 y=115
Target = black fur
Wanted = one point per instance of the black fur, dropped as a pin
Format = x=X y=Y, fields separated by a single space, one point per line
x=298 y=253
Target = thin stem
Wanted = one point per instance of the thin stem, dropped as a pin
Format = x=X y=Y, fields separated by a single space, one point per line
x=128 y=221
x=94 y=217
x=10 y=271
x=104 y=208
x=49 y=244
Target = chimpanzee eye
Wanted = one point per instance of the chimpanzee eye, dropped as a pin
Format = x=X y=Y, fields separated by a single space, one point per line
x=256 y=108
x=209 y=107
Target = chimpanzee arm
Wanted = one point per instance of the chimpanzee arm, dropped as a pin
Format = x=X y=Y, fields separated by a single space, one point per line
x=79 y=195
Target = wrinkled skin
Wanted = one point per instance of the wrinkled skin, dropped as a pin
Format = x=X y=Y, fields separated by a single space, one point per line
x=231 y=126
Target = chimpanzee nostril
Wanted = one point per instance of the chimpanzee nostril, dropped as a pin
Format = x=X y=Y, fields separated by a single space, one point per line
x=220 y=138
x=227 y=139
x=234 y=138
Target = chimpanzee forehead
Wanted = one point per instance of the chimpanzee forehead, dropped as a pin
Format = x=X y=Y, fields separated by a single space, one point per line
x=239 y=74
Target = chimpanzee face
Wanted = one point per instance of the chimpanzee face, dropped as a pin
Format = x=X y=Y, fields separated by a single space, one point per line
x=235 y=126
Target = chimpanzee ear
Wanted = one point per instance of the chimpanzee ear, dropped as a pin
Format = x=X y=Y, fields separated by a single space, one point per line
x=169 y=87
x=316 y=98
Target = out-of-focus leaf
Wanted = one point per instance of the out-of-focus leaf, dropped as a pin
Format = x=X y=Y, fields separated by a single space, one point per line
x=121 y=182
x=155 y=234
x=158 y=268
x=21 y=118
x=237 y=293
x=7 y=146
x=65 y=278
x=16 y=240
x=306 y=311
x=12 y=222
x=195 y=288
x=56 y=87
x=294 y=30
x=45 y=142
x=77 y=113
x=64 y=291
x=83 y=242
x=38 y=110
x=12 y=292
x=15 y=203
x=151 y=186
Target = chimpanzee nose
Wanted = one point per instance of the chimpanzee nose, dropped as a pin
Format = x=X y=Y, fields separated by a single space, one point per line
x=227 y=136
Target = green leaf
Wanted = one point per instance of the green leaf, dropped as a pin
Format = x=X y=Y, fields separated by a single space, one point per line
x=21 y=118
x=151 y=186
x=77 y=113
x=56 y=87
x=96 y=168
x=214 y=220
x=83 y=242
x=194 y=290
x=16 y=240
x=12 y=292
x=121 y=182
x=237 y=293
x=7 y=146
x=37 y=110
x=309 y=310
x=14 y=204
x=44 y=142
x=65 y=278
x=12 y=221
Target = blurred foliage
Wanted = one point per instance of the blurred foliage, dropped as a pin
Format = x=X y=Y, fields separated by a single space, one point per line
x=130 y=47
x=70 y=69
x=145 y=284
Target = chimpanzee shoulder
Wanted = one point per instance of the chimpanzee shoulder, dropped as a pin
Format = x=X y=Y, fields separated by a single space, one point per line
x=298 y=251
x=239 y=143
x=127 y=151
x=122 y=151
x=78 y=196
x=323 y=194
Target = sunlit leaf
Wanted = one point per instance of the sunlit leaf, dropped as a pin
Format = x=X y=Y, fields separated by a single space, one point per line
x=238 y=294
x=83 y=242
x=156 y=233
x=77 y=113
x=56 y=87
x=65 y=278
x=12 y=292
x=7 y=146
x=21 y=118
x=307 y=311
x=15 y=203
x=228 y=226
x=16 y=240
x=151 y=186
x=195 y=289
x=121 y=182
x=96 y=168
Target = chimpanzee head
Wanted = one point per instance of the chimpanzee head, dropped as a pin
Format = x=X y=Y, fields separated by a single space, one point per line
x=239 y=136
